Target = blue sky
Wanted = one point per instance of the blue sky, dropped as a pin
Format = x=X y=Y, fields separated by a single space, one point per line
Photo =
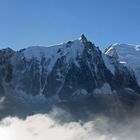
x=26 y=23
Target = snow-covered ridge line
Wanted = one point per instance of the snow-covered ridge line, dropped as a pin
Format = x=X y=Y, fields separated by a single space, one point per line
x=128 y=55
x=38 y=51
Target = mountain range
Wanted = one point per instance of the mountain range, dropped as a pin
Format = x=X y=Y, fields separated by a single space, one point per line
x=73 y=71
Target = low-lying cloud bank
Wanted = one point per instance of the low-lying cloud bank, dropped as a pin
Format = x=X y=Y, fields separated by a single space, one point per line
x=43 y=127
x=59 y=124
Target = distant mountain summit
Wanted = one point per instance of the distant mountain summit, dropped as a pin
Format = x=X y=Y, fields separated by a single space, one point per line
x=128 y=55
x=72 y=71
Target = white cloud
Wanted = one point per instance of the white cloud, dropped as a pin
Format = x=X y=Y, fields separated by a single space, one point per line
x=43 y=127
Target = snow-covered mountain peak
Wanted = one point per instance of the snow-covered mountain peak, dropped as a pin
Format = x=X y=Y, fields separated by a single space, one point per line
x=123 y=51
x=127 y=54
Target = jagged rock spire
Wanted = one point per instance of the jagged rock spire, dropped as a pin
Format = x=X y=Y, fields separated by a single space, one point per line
x=83 y=38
